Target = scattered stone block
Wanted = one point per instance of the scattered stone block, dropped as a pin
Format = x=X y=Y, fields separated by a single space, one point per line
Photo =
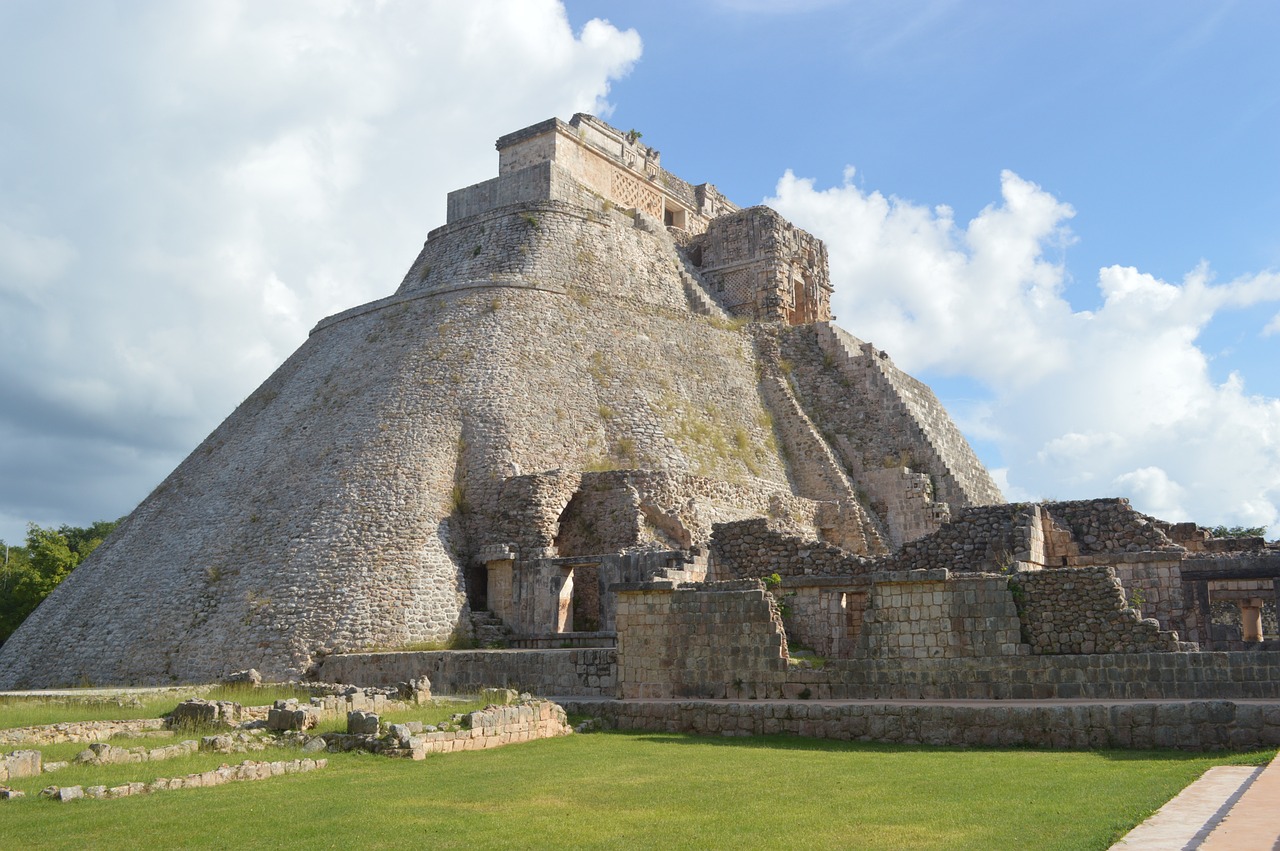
x=205 y=713
x=500 y=696
x=7 y=794
x=20 y=764
x=290 y=715
x=415 y=691
x=315 y=745
x=249 y=677
x=360 y=723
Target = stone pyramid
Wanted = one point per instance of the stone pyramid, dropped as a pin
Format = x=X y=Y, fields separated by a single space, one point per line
x=592 y=358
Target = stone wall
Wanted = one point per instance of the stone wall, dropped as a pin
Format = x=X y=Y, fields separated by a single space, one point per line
x=584 y=671
x=1106 y=526
x=588 y=162
x=927 y=615
x=1103 y=676
x=1199 y=725
x=1083 y=610
x=763 y=267
x=716 y=639
x=753 y=549
x=982 y=539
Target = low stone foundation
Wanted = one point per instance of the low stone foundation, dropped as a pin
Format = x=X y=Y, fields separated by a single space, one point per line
x=79 y=731
x=585 y=672
x=491 y=727
x=1188 y=725
x=247 y=770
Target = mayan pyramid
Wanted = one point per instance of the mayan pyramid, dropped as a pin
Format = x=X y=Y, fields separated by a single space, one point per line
x=590 y=357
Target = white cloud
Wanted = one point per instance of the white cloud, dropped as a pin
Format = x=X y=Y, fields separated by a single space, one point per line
x=1273 y=327
x=28 y=261
x=195 y=185
x=1118 y=400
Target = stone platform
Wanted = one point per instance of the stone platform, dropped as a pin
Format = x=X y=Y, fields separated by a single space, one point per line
x=1074 y=724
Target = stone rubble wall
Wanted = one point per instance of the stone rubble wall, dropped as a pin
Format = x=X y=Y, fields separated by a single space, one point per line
x=1082 y=610
x=245 y=771
x=586 y=672
x=981 y=539
x=753 y=549
x=1106 y=526
x=714 y=639
x=1199 y=725
x=79 y=731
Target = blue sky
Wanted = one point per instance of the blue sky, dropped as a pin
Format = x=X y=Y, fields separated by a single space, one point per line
x=1062 y=215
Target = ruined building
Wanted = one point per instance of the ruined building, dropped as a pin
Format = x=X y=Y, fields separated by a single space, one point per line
x=597 y=389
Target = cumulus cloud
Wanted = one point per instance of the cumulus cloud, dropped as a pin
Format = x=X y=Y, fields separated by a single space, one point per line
x=1118 y=400
x=188 y=187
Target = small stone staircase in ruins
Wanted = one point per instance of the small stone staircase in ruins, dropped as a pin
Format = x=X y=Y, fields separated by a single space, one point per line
x=489 y=630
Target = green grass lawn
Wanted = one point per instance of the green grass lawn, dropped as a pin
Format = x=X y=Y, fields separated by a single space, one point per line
x=620 y=790
x=27 y=712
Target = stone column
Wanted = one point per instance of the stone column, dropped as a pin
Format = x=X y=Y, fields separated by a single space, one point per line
x=1251 y=618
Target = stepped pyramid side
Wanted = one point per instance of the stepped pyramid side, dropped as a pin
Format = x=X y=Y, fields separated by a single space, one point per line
x=550 y=365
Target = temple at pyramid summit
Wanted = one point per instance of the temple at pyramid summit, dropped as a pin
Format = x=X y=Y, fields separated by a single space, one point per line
x=605 y=438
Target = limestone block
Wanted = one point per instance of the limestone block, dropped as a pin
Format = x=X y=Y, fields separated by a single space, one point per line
x=360 y=723
x=20 y=764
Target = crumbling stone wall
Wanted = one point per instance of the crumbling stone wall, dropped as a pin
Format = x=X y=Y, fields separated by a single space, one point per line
x=983 y=539
x=752 y=549
x=1105 y=526
x=1083 y=610
x=713 y=640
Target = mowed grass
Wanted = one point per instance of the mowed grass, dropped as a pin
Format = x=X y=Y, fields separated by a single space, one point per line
x=29 y=712
x=621 y=790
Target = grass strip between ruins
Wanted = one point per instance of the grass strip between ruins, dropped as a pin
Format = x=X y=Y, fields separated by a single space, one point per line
x=649 y=790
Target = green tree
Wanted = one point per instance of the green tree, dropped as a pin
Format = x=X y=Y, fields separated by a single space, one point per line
x=1238 y=531
x=31 y=572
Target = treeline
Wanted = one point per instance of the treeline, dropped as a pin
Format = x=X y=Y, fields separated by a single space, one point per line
x=28 y=573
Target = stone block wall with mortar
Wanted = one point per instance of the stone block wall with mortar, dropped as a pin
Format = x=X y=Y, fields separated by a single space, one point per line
x=1101 y=676
x=711 y=640
x=1083 y=610
x=585 y=672
x=933 y=616
x=1202 y=725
